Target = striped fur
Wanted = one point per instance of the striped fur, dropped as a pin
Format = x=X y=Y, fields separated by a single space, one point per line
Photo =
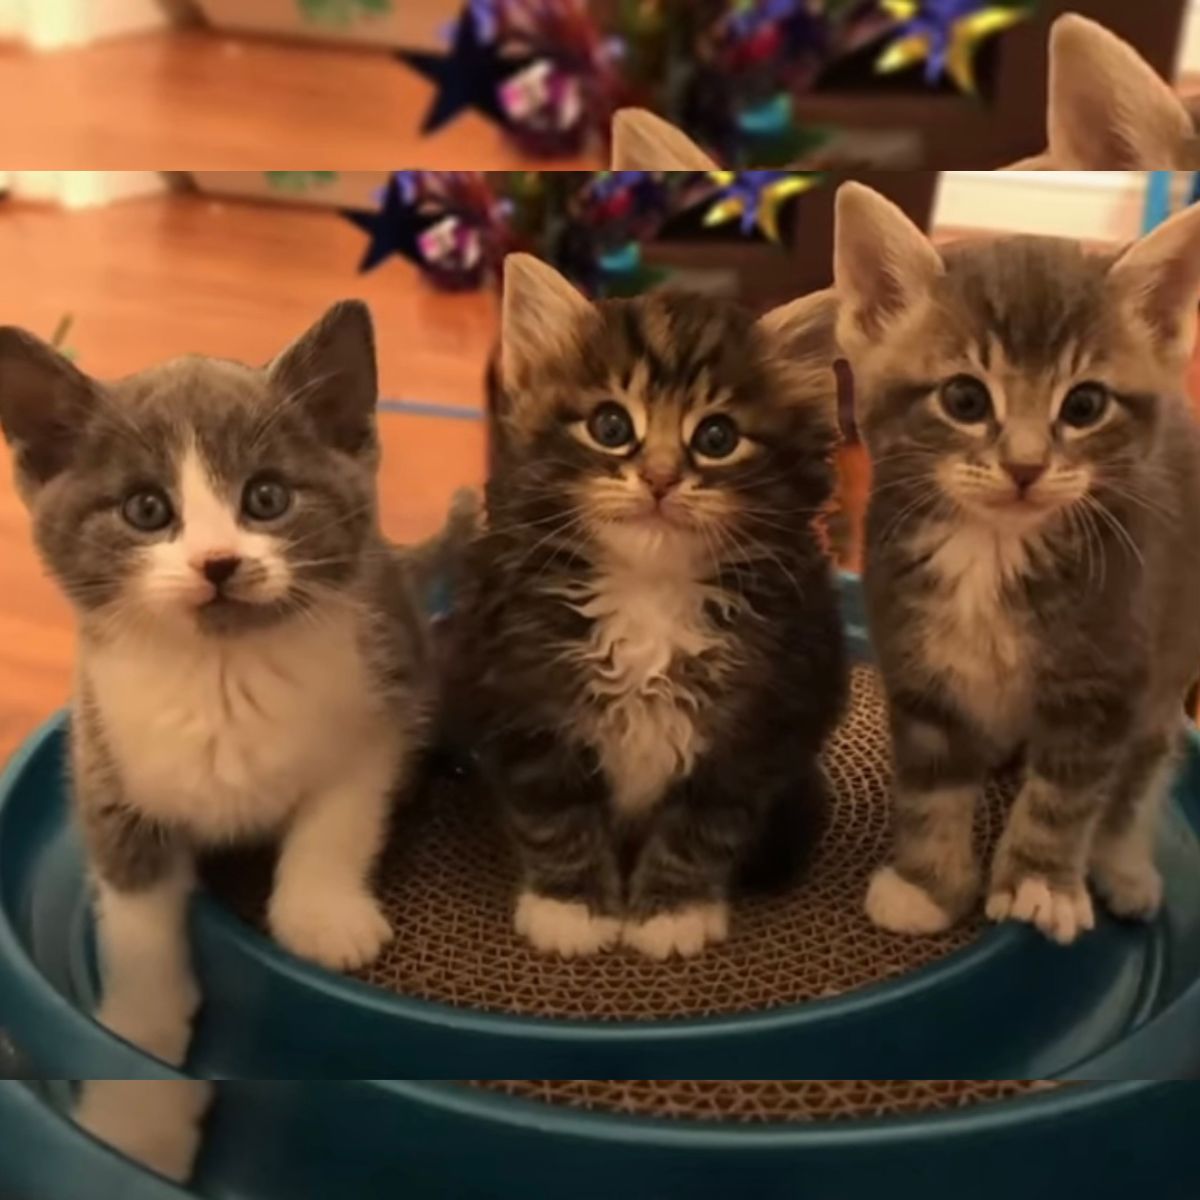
x=1062 y=623
x=650 y=697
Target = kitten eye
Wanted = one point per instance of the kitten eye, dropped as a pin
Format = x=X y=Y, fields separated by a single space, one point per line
x=147 y=510
x=1084 y=405
x=265 y=499
x=610 y=426
x=966 y=400
x=716 y=437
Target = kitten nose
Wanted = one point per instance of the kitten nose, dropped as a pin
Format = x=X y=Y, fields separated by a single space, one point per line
x=1025 y=475
x=660 y=482
x=219 y=570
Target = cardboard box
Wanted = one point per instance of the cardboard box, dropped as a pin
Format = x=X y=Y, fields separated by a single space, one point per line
x=325 y=189
x=415 y=24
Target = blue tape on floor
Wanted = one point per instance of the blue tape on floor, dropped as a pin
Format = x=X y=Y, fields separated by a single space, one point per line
x=423 y=408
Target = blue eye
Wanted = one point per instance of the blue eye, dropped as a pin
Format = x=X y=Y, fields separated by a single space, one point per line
x=266 y=499
x=610 y=426
x=147 y=510
x=966 y=400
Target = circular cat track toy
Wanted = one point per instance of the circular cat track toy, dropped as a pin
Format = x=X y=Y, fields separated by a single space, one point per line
x=808 y=987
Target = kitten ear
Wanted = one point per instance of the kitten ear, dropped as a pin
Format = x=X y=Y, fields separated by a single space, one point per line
x=642 y=141
x=330 y=369
x=1159 y=276
x=882 y=264
x=1109 y=110
x=44 y=402
x=806 y=328
x=540 y=313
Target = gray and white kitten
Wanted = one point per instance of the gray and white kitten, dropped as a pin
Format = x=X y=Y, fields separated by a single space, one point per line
x=1032 y=553
x=251 y=659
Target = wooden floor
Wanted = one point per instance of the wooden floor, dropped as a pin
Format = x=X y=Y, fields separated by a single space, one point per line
x=200 y=101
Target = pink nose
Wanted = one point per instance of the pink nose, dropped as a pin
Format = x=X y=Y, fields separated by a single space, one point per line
x=1025 y=475
x=660 y=482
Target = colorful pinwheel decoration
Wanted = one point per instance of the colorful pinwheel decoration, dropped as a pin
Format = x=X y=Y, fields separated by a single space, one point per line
x=748 y=64
x=755 y=199
x=451 y=224
x=945 y=35
x=609 y=219
x=540 y=68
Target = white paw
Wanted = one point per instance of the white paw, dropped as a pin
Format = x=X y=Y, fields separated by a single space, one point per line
x=898 y=906
x=684 y=932
x=157 y=1123
x=561 y=927
x=1061 y=915
x=340 y=929
x=158 y=1024
x=1133 y=893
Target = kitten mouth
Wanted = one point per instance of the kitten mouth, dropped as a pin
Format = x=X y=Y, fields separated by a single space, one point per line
x=656 y=517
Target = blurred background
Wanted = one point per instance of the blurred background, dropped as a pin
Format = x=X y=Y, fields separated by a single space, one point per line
x=498 y=84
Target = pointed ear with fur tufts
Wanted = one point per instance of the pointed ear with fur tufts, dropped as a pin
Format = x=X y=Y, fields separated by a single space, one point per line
x=44 y=404
x=805 y=328
x=882 y=265
x=1158 y=278
x=330 y=370
x=540 y=316
x=643 y=142
x=1108 y=109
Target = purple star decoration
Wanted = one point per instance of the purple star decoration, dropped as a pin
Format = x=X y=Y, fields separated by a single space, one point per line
x=936 y=21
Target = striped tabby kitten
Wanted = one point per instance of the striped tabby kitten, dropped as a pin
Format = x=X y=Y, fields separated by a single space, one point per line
x=1107 y=110
x=658 y=649
x=1033 y=553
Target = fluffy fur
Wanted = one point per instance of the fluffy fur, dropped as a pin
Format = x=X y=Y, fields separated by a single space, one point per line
x=251 y=659
x=652 y=679
x=1107 y=111
x=1030 y=574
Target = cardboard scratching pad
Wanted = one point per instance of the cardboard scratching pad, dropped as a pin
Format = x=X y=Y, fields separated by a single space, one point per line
x=765 y=1100
x=448 y=883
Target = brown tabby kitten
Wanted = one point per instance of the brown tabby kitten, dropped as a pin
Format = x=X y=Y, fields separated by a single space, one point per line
x=1107 y=111
x=1033 y=553
x=657 y=649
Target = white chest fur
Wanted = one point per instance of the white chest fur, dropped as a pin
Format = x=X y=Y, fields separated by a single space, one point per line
x=972 y=636
x=225 y=736
x=642 y=713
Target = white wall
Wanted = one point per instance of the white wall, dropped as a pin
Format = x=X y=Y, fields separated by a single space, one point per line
x=84 y=189
x=1189 y=49
x=1100 y=206
x=10 y=18
x=50 y=24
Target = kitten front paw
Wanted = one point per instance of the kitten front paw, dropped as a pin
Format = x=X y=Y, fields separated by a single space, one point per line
x=1061 y=914
x=684 y=932
x=1133 y=891
x=340 y=929
x=157 y=1123
x=898 y=906
x=567 y=928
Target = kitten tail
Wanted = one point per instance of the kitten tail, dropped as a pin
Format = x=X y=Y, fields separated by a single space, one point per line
x=790 y=837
